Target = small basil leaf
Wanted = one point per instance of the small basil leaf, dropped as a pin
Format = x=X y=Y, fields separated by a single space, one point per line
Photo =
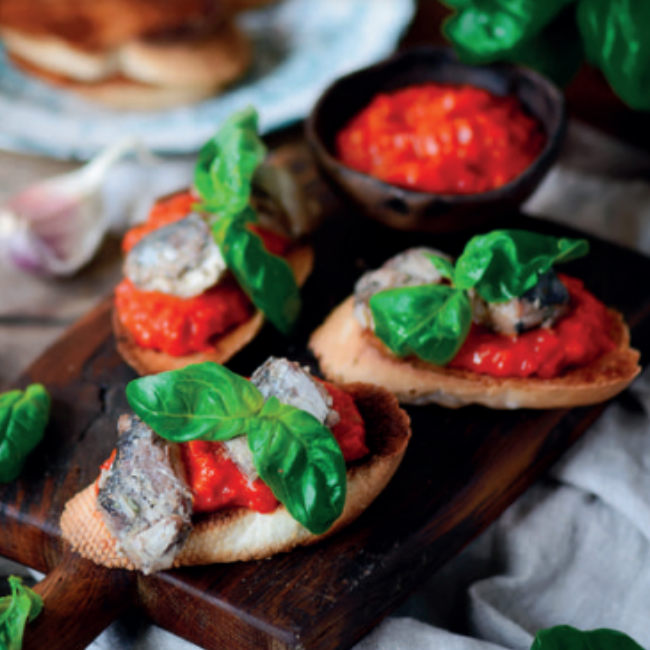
x=504 y=264
x=444 y=267
x=300 y=460
x=16 y=611
x=430 y=321
x=227 y=164
x=266 y=278
x=564 y=637
x=23 y=418
x=200 y=402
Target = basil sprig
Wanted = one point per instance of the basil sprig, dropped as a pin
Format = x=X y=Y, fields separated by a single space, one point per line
x=223 y=178
x=504 y=264
x=432 y=321
x=294 y=454
x=565 y=637
x=23 y=417
x=16 y=610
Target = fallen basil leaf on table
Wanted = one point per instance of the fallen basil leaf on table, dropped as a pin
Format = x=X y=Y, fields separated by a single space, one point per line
x=227 y=163
x=267 y=279
x=565 y=637
x=200 y=402
x=504 y=264
x=16 y=610
x=300 y=460
x=23 y=418
x=431 y=321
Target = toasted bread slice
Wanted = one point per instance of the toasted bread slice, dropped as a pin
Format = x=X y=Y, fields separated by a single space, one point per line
x=146 y=361
x=347 y=352
x=240 y=534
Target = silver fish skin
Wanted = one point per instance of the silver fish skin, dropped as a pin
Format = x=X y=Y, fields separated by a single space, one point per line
x=408 y=269
x=238 y=451
x=144 y=498
x=181 y=259
x=541 y=306
x=292 y=385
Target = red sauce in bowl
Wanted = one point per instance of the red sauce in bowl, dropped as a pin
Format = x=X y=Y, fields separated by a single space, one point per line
x=442 y=139
x=576 y=340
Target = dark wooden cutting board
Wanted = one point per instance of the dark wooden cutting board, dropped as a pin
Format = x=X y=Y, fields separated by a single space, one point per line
x=462 y=469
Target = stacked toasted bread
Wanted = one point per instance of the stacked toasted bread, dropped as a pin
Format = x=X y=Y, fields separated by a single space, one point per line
x=129 y=54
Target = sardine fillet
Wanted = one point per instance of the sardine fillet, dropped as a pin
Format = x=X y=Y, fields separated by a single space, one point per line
x=240 y=534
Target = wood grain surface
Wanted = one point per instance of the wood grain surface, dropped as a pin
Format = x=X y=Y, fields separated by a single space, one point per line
x=462 y=469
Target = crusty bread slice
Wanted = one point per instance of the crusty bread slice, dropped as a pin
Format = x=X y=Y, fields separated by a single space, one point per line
x=146 y=361
x=240 y=534
x=347 y=352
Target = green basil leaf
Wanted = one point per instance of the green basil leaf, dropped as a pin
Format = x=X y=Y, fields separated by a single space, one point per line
x=504 y=264
x=266 y=278
x=615 y=35
x=23 y=418
x=430 y=321
x=16 y=611
x=489 y=30
x=445 y=267
x=564 y=637
x=227 y=164
x=200 y=402
x=300 y=460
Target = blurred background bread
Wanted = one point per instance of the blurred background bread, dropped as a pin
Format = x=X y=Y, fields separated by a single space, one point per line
x=129 y=54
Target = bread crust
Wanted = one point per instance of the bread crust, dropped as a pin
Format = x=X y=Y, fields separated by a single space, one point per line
x=146 y=361
x=238 y=534
x=347 y=352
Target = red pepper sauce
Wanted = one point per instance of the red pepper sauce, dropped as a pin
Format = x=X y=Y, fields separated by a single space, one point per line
x=181 y=326
x=442 y=138
x=164 y=212
x=216 y=481
x=577 y=339
x=104 y=467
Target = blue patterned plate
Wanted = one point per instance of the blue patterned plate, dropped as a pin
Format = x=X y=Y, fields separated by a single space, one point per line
x=301 y=46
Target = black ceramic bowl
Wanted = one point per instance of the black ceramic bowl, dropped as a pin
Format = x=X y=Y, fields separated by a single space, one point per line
x=408 y=209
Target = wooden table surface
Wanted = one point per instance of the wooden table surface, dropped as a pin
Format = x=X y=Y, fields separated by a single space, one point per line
x=33 y=312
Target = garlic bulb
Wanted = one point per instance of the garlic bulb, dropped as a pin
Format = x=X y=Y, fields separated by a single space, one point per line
x=56 y=226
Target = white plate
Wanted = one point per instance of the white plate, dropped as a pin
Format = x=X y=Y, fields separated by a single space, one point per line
x=300 y=47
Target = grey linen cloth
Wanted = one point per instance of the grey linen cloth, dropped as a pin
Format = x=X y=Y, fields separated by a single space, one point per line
x=575 y=549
